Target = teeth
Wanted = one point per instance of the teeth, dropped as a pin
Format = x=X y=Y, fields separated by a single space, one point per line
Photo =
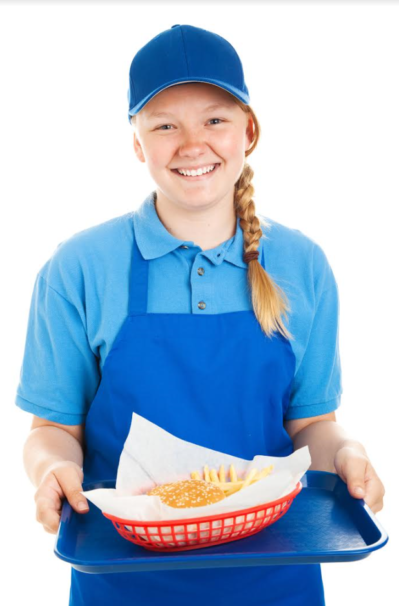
x=196 y=173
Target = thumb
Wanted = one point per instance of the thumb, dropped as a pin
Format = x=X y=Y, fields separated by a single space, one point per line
x=357 y=490
x=353 y=472
x=70 y=479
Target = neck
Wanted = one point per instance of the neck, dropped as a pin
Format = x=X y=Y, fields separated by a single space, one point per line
x=207 y=228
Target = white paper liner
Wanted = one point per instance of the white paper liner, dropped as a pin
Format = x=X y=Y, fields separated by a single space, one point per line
x=152 y=456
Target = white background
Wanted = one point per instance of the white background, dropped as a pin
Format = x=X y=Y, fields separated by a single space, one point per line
x=323 y=81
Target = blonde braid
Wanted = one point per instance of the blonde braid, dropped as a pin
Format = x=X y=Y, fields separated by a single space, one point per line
x=268 y=299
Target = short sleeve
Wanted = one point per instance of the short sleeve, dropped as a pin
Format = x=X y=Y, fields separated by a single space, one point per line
x=317 y=385
x=60 y=374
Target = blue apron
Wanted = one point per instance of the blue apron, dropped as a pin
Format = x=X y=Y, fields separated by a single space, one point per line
x=214 y=380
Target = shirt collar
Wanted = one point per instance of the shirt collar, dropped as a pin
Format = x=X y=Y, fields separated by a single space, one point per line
x=154 y=240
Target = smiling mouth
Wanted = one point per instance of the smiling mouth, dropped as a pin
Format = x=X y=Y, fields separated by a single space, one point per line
x=196 y=177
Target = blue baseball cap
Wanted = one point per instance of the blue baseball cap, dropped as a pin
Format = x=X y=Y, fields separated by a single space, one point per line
x=184 y=53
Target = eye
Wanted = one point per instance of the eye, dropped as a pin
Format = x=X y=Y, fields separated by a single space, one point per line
x=163 y=125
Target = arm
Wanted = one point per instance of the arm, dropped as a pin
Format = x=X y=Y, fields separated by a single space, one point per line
x=53 y=459
x=331 y=449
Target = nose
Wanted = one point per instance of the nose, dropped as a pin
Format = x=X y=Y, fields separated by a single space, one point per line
x=192 y=144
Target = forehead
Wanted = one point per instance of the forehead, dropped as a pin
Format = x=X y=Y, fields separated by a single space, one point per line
x=199 y=94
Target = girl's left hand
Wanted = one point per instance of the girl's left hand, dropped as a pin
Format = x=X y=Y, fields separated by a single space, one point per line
x=356 y=470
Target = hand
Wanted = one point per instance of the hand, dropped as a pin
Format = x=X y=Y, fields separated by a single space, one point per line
x=62 y=479
x=354 y=467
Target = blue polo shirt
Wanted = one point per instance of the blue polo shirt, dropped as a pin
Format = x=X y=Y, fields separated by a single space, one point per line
x=80 y=301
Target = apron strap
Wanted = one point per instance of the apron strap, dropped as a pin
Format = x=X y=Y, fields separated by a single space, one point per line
x=138 y=286
x=262 y=259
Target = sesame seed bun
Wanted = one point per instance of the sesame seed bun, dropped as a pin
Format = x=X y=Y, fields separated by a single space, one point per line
x=188 y=493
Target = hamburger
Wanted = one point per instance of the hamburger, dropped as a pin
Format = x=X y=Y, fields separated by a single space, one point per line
x=188 y=493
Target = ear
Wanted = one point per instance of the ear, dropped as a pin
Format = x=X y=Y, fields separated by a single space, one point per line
x=137 y=148
x=250 y=131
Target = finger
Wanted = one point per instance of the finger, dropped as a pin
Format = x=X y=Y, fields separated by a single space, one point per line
x=47 y=514
x=69 y=479
x=50 y=530
x=376 y=507
x=375 y=490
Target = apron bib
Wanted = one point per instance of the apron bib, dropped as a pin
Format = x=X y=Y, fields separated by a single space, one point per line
x=214 y=380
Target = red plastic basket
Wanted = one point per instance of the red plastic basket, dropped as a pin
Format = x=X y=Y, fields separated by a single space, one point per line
x=195 y=533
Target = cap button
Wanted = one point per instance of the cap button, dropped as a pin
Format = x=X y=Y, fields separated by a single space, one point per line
x=178 y=25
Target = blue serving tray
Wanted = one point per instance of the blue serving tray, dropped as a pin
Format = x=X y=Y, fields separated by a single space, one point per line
x=324 y=524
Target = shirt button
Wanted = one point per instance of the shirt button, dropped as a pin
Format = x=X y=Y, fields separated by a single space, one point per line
x=202 y=304
x=183 y=246
x=200 y=271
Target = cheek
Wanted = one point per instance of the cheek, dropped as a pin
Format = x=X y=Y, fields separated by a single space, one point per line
x=231 y=145
x=158 y=154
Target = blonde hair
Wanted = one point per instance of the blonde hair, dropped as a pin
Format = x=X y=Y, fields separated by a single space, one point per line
x=269 y=301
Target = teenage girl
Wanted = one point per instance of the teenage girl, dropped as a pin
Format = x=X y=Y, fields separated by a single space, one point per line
x=216 y=324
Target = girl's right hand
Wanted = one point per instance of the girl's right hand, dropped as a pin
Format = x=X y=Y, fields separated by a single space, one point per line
x=62 y=480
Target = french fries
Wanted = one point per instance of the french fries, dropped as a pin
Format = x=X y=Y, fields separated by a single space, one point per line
x=234 y=485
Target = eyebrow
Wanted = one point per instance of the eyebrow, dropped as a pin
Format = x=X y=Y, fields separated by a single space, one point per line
x=212 y=107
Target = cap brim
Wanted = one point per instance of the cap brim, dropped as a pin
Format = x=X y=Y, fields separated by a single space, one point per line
x=230 y=89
